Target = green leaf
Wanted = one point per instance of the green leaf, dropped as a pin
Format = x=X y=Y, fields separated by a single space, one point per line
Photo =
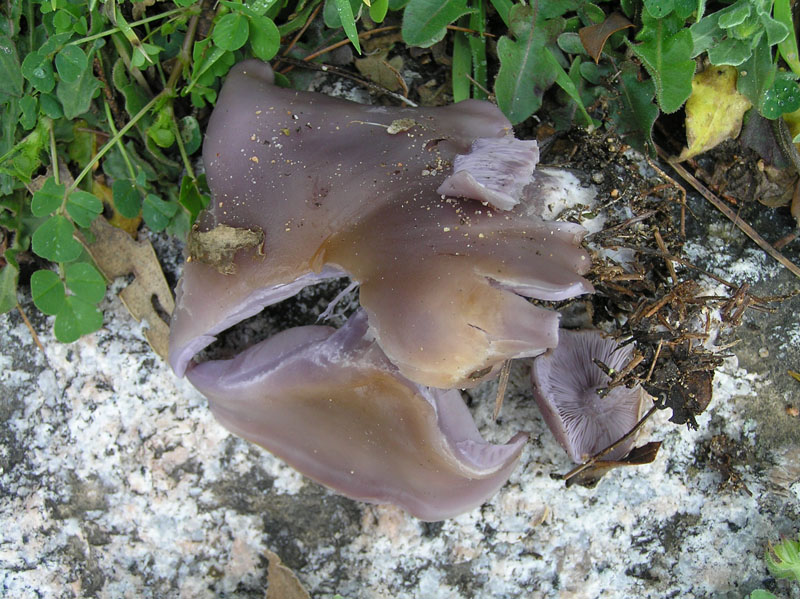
x=76 y=318
x=425 y=21
x=378 y=10
x=10 y=70
x=348 y=22
x=757 y=74
x=76 y=96
x=735 y=14
x=788 y=47
x=462 y=67
x=157 y=213
x=53 y=240
x=762 y=594
x=29 y=106
x=50 y=106
x=633 y=112
x=265 y=39
x=564 y=81
x=190 y=134
x=503 y=8
x=729 y=51
x=525 y=71
x=668 y=60
x=659 y=8
x=38 y=70
x=477 y=48
x=230 y=32
x=85 y=281
x=705 y=34
x=83 y=207
x=782 y=97
x=127 y=199
x=783 y=559
x=71 y=62
x=48 y=199
x=47 y=291
x=8 y=287
x=191 y=197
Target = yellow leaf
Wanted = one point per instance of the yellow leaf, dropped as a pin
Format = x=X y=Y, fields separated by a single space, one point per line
x=714 y=111
x=129 y=225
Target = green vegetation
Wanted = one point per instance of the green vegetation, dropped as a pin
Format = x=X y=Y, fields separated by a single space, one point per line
x=783 y=561
x=102 y=103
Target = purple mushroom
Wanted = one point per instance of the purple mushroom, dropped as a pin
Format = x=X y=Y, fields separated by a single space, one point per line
x=308 y=188
x=566 y=381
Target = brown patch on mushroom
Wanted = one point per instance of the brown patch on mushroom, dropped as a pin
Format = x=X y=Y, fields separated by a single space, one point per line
x=218 y=247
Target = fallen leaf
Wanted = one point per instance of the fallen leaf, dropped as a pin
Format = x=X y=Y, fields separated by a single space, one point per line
x=116 y=254
x=385 y=73
x=638 y=456
x=218 y=246
x=714 y=111
x=283 y=584
x=594 y=37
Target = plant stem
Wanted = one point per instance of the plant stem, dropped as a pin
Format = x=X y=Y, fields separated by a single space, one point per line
x=117 y=136
x=53 y=154
x=114 y=30
x=122 y=150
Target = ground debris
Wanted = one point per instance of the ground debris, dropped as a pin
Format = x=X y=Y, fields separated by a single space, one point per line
x=218 y=247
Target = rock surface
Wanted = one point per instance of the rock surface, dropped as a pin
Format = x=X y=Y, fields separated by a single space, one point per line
x=115 y=481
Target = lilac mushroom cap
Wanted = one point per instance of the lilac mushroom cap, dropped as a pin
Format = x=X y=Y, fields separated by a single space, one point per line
x=565 y=385
x=339 y=189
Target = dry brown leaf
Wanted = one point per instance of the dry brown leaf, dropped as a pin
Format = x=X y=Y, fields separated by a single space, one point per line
x=283 y=584
x=638 y=456
x=594 y=37
x=116 y=254
x=385 y=73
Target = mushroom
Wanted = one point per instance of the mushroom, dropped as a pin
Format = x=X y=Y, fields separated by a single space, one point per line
x=567 y=387
x=308 y=188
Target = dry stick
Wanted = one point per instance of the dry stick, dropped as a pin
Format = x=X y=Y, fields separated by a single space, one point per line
x=663 y=248
x=362 y=36
x=655 y=359
x=625 y=223
x=348 y=75
x=600 y=454
x=300 y=33
x=370 y=33
x=679 y=186
x=31 y=329
x=502 y=383
x=722 y=207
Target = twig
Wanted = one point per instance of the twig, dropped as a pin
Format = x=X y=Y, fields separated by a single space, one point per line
x=502 y=383
x=348 y=75
x=300 y=33
x=655 y=359
x=31 y=329
x=676 y=185
x=722 y=207
x=662 y=246
x=600 y=454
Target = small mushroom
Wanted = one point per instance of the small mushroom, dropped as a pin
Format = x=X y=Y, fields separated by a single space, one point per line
x=567 y=385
